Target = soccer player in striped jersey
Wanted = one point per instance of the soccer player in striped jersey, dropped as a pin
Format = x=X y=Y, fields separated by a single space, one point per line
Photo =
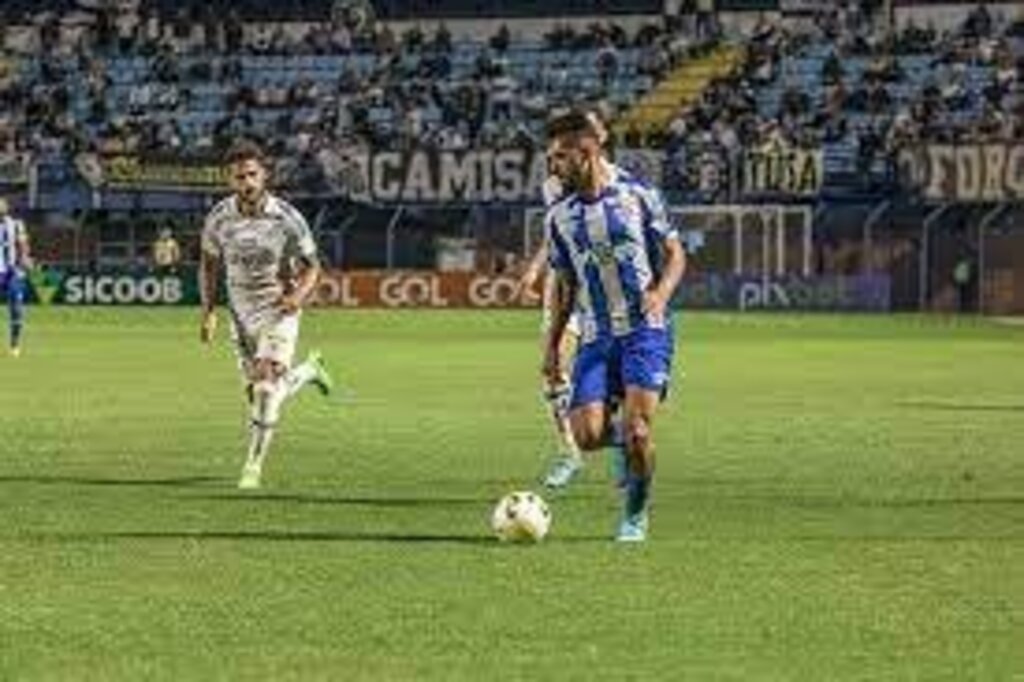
x=617 y=261
x=14 y=262
x=271 y=267
x=568 y=461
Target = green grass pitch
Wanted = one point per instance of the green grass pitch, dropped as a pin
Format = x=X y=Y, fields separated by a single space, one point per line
x=838 y=498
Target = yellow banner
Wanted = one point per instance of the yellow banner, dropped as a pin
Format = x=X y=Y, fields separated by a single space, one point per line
x=131 y=171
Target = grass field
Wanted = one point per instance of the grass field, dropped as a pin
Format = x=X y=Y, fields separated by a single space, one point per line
x=838 y=498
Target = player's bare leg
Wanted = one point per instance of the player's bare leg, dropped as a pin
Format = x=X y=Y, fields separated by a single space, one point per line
x=638 y=416
x=590 y=426
x=558 y=395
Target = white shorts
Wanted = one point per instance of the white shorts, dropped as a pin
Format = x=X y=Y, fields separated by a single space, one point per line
x=274 y=341
x=573 y=327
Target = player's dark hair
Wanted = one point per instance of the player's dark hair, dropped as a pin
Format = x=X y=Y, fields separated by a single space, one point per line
x=572 y=122
x=244 y=150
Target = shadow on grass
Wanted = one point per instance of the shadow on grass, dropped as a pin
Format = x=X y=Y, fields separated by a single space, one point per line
x=397 y=502
x=303 y=536
x=175 y=482
x=823 y=502
x=368 y=501
x=958 y=407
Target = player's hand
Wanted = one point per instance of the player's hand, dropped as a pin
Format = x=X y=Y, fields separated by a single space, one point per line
x=655 y=305
x=289 y=304
x=527 y=282
x=207 y=327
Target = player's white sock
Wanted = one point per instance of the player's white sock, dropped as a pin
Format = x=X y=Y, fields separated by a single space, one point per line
x=299 y=376
x=558 y=400
x=266 y=409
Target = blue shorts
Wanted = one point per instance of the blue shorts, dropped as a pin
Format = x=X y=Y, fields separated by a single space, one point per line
x=12 y=286
x=604 y=368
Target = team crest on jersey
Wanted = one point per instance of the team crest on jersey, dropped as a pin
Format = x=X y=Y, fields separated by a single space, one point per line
x=604 y=254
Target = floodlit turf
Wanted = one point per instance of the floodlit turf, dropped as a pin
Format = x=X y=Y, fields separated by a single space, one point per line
x=839 y=498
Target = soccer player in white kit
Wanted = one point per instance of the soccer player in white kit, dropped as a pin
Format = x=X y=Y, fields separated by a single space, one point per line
x=271 y=267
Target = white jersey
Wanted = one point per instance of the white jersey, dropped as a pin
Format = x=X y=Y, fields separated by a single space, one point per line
x=12 y=234
x=258 y=252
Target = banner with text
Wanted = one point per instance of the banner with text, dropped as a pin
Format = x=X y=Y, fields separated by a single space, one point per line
x=783 y=169
x=112 y=288
x=131 y=172
x=969 y=172
x=416 y=289
x=868 y=293
x=428 y=176
x=729 y=292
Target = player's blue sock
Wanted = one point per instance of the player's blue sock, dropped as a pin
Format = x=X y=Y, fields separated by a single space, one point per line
x=16 y=310
x=638 y=489
x=617 y=466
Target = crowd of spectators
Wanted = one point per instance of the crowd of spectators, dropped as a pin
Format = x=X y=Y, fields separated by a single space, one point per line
x=875 y=111
x=59 y=97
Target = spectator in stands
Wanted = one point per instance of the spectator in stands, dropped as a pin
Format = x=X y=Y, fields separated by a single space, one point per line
x=869 y=144
x=916 y=40
x=166 y=252
x=503 y=93
x=979 y=23
x=442 y=39
x=607 y=63
x=832 y=70
x=707 y=24
x=795 y=102
x=903 y=133
x=993 y=125
x=954 y=89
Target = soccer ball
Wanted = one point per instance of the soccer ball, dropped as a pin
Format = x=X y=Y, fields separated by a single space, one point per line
x=521 y=516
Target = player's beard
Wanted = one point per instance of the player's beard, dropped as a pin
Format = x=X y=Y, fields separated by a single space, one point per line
x=251 y=198
x=583 y=176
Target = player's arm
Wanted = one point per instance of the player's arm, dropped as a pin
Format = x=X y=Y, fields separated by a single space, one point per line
x=304 y=249
x=534 y=269
x=658 y=297
x=560 y=304
x=305 y=283
x=209 y=272
x=24 y=249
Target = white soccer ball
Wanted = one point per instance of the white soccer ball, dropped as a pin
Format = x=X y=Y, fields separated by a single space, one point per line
x=521 y=516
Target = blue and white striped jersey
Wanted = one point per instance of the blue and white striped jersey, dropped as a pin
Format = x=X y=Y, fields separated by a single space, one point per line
x=611 y=249
x=11 y=233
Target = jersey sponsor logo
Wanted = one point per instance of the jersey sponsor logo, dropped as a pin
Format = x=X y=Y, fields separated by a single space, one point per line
x=253 y=258
x=606 y=254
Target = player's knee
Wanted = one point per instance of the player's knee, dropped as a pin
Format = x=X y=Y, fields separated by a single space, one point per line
x=587 y=435
x=265 y=371
x=638 y=434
